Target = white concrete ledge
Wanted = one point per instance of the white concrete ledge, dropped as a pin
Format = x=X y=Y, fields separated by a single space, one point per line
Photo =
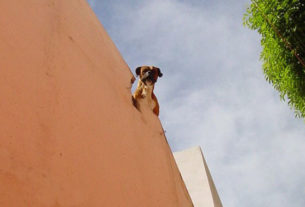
x=197 y=178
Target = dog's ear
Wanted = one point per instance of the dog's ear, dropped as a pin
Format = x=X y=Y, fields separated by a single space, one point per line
x=138 y=70
x=159 y=72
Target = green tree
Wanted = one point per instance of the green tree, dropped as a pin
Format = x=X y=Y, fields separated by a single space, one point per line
x=281 y=24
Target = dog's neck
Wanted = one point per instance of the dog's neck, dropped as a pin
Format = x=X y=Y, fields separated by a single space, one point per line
x=147 y=89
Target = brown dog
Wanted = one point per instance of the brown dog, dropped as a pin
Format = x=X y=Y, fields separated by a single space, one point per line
x=145 y=89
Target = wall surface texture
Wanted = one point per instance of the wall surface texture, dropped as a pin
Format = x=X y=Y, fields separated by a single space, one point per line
x=69 y=134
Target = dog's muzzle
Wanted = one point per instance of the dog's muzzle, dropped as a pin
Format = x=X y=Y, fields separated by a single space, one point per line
x=145 y=76
x=149 y=75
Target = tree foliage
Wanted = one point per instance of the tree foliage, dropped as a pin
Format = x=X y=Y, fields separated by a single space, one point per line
x=281 y=24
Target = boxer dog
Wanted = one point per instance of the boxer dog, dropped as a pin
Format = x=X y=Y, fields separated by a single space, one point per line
x=145 y=89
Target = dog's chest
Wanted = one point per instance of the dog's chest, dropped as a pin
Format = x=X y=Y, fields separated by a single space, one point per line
x=147 y=95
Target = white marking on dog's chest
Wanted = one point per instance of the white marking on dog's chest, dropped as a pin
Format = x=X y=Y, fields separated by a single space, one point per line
x=146 y=93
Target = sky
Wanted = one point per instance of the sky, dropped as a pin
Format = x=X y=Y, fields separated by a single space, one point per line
x=213 y=94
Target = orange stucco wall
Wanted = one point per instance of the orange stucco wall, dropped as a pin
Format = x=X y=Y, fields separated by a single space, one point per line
x=69 y=134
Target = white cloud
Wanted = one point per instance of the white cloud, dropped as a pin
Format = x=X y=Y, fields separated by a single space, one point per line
x=213 y=94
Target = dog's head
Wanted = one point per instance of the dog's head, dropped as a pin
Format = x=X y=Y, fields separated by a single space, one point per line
x=148 y=74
